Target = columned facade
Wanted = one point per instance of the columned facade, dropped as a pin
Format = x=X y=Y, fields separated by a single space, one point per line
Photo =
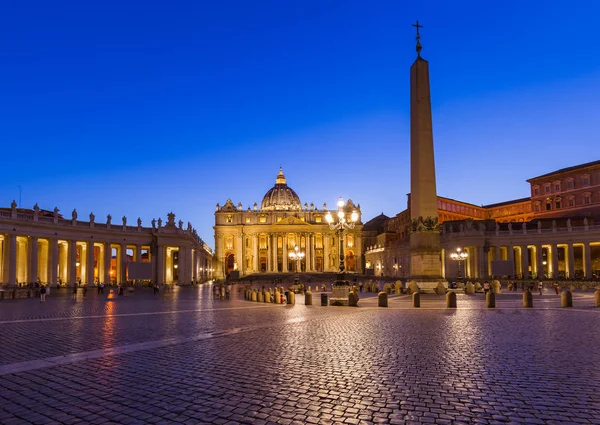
x=41 y=247
x=259 y=240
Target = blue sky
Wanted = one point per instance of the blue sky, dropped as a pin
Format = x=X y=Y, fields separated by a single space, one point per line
x=141 y=108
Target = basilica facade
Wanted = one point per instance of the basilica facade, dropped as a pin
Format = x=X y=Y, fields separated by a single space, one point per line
x=260 y=239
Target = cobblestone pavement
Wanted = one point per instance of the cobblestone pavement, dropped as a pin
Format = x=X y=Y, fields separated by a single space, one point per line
x=186 y=358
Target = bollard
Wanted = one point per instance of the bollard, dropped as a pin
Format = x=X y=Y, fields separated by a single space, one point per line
x=291 y=297
x=527 y=299
x=260 y=297
x=566 y=299
x=597 y=297
x=382 y=299
x=308 y=297
x=267 y=297
x=416 y=299
x=324 y=300
x=277 y=297
x=353 y=299
x=253 y=296
x=490 y=299
x=451 y=300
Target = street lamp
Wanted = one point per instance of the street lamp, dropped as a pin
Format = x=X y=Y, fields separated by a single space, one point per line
x=297 y=256
x=459 y=256
x=340 y=225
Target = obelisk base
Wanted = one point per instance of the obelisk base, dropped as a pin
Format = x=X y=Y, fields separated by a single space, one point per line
x=426 y=270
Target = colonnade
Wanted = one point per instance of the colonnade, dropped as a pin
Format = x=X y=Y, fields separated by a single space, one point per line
x=29 y=259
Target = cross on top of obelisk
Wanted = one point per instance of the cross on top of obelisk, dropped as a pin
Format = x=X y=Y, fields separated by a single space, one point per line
x=418 y=38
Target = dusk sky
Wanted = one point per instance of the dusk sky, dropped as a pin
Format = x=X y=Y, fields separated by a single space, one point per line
x=141 y=108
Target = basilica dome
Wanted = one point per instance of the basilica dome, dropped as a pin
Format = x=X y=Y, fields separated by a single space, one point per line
x=280 y=197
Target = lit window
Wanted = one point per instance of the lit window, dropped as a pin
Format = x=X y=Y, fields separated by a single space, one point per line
x=229 y=218
x=262 y=219
x=279 y=219
x=318 y=219
x=247 y=219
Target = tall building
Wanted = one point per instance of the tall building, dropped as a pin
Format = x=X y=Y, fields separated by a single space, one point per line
x=259 y=239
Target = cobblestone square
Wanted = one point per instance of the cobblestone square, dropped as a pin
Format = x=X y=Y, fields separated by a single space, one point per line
x=183 y=357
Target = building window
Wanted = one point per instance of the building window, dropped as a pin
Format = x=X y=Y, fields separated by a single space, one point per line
x=228 y=219
x=587 y=198
x=536 y=191
x=557 y=186
x=247 y=219
x=262 y=219
x=585 y=180
x=571 y=201
x=570 y=184
x=557 y=204
x=547 y=189
x=279 y=219
x=536 y=207
x=318 y=219
x=548 y=206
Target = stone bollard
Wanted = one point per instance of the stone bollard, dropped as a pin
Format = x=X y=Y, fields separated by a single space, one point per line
x=291 y=297
x=267 y=297
x=253 y=296
x=308 y=297
x=317 y=288
x=469 y=288
x=527 y=299
x=597 y=297
x=353 y=299
x=416 y=299
x=451 y=300
x=382 y=299
x=277 y=297
x=260 y=297
x=490 y=299
x=566 y=299
x=324 y=300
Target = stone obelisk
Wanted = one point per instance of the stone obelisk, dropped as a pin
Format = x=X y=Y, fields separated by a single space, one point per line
x=425 y=261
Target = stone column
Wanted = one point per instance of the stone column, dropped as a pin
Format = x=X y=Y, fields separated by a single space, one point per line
x=284 y=259
x=571 y=261
x=72 y=264
x=525 y=262
x=274 y=245
x=123 y=263
x=308 y=251
x=160 y=264
x=510 y=251
x=255 y=251
x=107 y=261
x=325 y=252
x=53 y=261
x=554 y=262
x=12 y=260
x=32 y=273
x=181 y=266
x=89 y=266
x=138 y=253
x=240 y=253
x=587 y=260
x=481 y=262
x=539 y=258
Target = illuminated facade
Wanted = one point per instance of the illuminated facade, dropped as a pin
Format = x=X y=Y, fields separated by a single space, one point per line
x=552 y=234
x=259 y=240
x=42 y=245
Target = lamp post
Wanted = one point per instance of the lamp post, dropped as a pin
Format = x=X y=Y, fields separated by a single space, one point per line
x=459 y=256
x=340 y=225
x=297 y=256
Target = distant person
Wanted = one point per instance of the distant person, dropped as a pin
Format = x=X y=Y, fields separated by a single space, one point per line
x=43 y=293
x=540 y=287
x=486 y=287
x=74 y=293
